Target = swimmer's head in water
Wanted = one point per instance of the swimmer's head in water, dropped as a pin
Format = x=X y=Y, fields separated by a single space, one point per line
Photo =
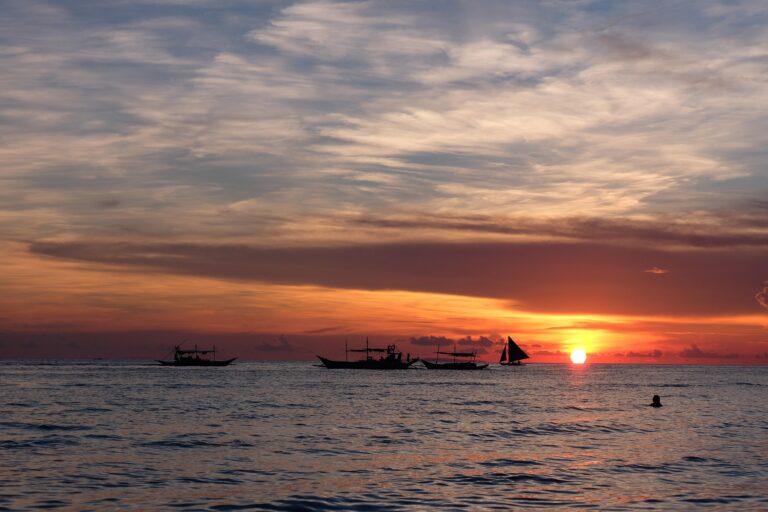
x=656 y=401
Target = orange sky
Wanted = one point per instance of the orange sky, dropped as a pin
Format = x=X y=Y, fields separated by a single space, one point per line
x=106 y=310
x=277 y=177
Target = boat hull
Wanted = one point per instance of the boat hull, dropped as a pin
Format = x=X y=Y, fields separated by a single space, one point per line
x=372 y=364
x=455 y=366
x=199 y=362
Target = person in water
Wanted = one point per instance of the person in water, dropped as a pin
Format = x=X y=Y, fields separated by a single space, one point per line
x=656 y=401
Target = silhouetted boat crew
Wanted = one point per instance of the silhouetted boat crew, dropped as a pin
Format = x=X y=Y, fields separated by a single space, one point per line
x=454 y=365
x=656 y=401
x=389 y=359
x=512 y=354
x=192 y=357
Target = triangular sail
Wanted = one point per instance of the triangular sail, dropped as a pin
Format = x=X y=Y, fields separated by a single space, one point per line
x=504 y=354
x=515 y=352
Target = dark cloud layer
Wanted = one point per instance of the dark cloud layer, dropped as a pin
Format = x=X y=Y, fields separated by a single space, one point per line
x=280 y=345
x=694 y=352
x=547 y=277
x=727 y=231
x=480 y=345
x=653 y=353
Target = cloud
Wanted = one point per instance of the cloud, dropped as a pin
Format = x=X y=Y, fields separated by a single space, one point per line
x=654 y=353
x=345 y=30
x=322 y=330
x=547 y=277
x=479 y=344
x=481 y=341
x=493 y=109
x=762 y=296
x=280 y=345
x=713 y=231
x=656 y=270
x=550 y=353
x=694 y=352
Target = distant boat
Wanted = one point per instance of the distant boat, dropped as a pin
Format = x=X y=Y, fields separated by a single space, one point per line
x=182 y=357
x=454 y=364
x=389 y=359
x=512 y=354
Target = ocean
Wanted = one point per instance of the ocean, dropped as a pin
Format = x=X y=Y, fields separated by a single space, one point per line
x=292 y=436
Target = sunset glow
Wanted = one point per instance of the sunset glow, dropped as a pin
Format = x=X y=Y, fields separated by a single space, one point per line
x=277 y=177
x=578 y=356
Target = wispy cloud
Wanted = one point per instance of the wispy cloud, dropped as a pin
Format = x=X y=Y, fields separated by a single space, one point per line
x=491 y=109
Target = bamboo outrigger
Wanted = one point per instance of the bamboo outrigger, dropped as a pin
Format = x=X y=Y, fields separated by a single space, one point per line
x=182 y=357
x=389 y=359
x=455 y=364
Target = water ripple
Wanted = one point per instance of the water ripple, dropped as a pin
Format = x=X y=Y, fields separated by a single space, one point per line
x=287 y=436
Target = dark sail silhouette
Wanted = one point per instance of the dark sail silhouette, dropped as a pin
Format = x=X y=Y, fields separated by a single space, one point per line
x=512 y=354
x=182 y=357
x=455 y=364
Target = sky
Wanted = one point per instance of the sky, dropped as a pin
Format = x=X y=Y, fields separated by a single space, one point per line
x=279 y=177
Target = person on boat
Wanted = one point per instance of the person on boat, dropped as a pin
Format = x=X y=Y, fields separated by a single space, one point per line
x=656 y=401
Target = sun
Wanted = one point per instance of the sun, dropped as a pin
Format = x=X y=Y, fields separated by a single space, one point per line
x=578 y=356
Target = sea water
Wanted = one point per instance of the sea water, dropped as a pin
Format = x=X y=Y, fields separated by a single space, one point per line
x=292 y=436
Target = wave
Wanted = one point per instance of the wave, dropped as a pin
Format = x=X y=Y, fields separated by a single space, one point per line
x=550 y=429
x=45 y=442
x=45 y=427
x=505 y=478
x=510 y=463
x=193 y=442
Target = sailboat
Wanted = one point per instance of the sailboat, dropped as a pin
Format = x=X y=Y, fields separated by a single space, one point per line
x=469 y=364
x=512 y=354
x=192 y=358
x=389 y=359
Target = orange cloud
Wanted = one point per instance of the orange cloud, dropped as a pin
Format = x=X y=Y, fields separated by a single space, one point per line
x=762 y=296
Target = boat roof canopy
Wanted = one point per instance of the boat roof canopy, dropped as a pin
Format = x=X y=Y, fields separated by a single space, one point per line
x=457 y=354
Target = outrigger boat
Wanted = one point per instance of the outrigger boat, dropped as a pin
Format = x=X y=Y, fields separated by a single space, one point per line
x=182 y=357
x=389 y=359
x=455 y=365
x=512 y=354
